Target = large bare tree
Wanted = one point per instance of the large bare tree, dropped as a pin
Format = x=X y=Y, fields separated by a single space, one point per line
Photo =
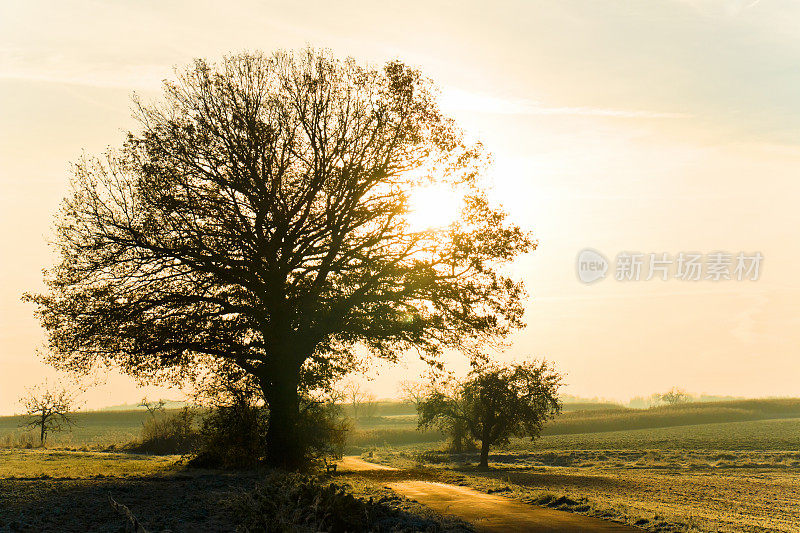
x=259 y=218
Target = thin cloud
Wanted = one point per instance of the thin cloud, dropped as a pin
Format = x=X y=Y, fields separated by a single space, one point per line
x=52 y=67
x=460 y=100
x=731 y=8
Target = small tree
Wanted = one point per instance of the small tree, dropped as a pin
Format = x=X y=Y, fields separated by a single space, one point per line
x=152 y=407
x=495 y=403
x=675 y=396
x=369 y=406
x=49 y=408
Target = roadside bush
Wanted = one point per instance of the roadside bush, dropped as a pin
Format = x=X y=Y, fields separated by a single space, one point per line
x=299 y=503
x=26 y=439
x=324 y=430
x=434 y=457
x=169 y=433
x=232 y=436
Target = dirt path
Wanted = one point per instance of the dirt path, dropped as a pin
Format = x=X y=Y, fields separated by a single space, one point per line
x=486 y=511
x=353 y=463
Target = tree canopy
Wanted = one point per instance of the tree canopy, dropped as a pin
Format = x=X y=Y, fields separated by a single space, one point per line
x=258 y=220
x=674 y=396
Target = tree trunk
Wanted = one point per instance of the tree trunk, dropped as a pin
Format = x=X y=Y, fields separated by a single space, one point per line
x=484 y=455
x=43 y=433
x=284 y=445
x=485 y=441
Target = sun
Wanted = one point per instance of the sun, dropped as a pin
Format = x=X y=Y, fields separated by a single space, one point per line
x=433 y=206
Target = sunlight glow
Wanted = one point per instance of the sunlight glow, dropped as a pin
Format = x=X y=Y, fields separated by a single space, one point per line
x=433 y=207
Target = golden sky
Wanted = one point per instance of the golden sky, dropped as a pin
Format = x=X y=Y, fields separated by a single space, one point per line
x=650 y=126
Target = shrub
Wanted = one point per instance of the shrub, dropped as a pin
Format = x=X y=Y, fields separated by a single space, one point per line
x=232 y=436
x=26 y=439
x=323 y=429
x=235 y=435
x=299 y=503
x=169 y=433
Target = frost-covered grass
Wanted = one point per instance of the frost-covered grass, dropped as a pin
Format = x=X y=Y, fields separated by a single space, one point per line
x=38 y=463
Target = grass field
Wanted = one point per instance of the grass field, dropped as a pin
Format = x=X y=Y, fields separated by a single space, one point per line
x=582 y=425
x=620 y=418
x=770 y=434
x=723 y=477
x=64 y=491
x=56 y=464
x=724 y=466
x=676 y=490
x=93 y=428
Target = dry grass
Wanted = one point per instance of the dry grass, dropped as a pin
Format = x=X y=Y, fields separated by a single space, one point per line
x=19 y=439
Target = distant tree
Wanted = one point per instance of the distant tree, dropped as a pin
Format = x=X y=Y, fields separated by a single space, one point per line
x=369 y=406
x=362 y=402
x=495 y=403
x=50 y=408
x=152 y=407
x=639 y=402
x=675 y=396
x=413 y=392
x=654 y=400
x=260 y=217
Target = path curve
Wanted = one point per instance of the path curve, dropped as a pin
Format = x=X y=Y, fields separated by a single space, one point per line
x=353 y=463
x=489 y=512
